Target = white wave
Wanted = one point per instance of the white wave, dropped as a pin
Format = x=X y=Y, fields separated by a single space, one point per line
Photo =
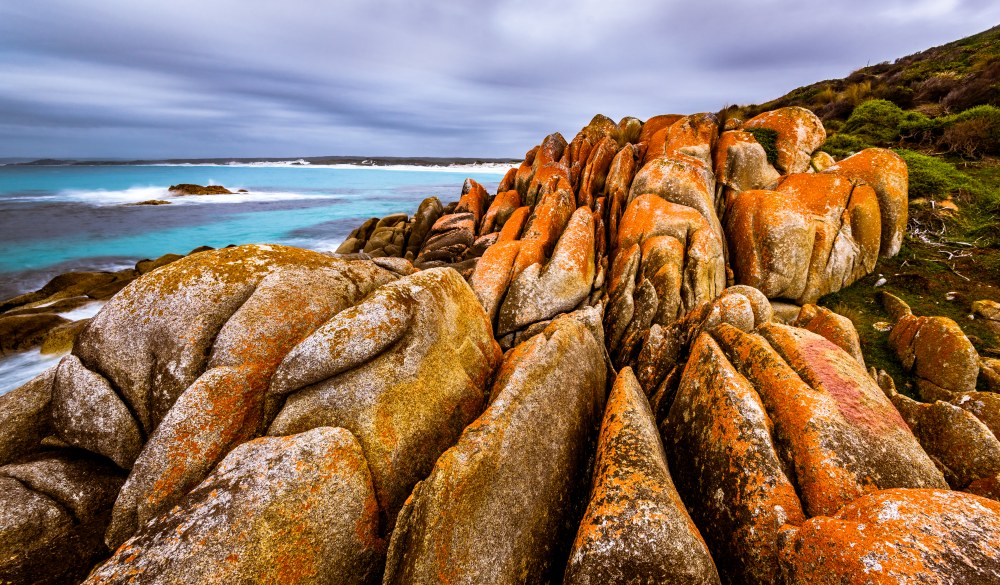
x=103 y=197
x=18 y=368
x=83 y=312
x=484 y=168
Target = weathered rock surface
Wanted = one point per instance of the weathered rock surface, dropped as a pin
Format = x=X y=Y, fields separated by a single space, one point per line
x=54 y=508
x=19 y=332
x=836 y=328
x=815 y=234
x=800 y=133
x=541 y=292
x=937 y=351
x=298 y=509
x=480 y=517
x=885 y=172
x=192 y=189
x=636 y=529
x=898 y=536
x=25 y=417
x=405 y=371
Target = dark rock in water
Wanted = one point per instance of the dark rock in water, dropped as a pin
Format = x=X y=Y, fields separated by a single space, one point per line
x=60 y=306
x=298 y=509
x=500 y=506
x=636 y=529
x=429 y=211
x=355 y=241
x=66 y=285
x=21 y=332
x=54 y=508
x=24 y=417
x=62 y=338
x=191 y=189
x=405 y=371
x=144 y=266
x=150 y=202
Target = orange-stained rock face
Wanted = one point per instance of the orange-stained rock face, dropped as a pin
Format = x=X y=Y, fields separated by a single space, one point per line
x=592 y=180
x=297 y=509
x=545 y=225
x=898 y=536
x=479 y=517
x=500 y=211
x=474 y=200
x=816 y=234
x=617 y=186
x=683 y=180
x=937 y=351
x=800 y=133
x=654 y=135
x=405 y=370
x=834 y=327
x=741 y=163
x=693 y=136
x=886 y=173
x=541 y=292
x=726 y=466
x=636 y=529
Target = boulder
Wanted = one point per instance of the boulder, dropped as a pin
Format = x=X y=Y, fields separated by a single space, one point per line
x=897 y=536
x=503 y=206
x=479 y=517
x=989 y=312
x=635 y=529
x=618 y=184
x=297 y=509
x=595 y=173
x=885 y=172
x=835 y=327
x=189 y=349
x=427 y=214
x=144 y=266
x=718 y=439
x=25 y=417
x=541 y=292
x=493 y=272
x=54 y=508
x=192 y=189
x=820 y=162
x=355 y=241
x=61 y=339
x=684 y=180
x=21 y=332
x=799 y=134
x=474 y=200
x=389 y=236
x=449 y=238
x=937 y=351
x=405 y=371
x=741 y=163
x=816 y=234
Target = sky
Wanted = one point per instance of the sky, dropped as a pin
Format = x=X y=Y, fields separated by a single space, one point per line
x=478 y=78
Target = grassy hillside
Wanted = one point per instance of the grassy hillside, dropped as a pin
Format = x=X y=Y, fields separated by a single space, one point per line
x=940 y=110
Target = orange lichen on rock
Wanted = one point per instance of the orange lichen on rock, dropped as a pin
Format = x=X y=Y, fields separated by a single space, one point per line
x=886 y=173
x=835 y=327
x=718 y=439
x=800 y=133
x=636 y=529
x=897 y=536
x=500 y=210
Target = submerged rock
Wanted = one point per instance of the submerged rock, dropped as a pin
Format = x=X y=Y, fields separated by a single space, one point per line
x=192 y=189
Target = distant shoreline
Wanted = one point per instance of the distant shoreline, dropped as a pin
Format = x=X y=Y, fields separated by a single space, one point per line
x=362 y=161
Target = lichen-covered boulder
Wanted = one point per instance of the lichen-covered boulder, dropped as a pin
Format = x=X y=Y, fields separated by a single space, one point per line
x=636 y=529
x=405 y=371
x=718 y=439
x=54 y=508
x=25 y=417
x=682 y=179
x=885 y=172
x=503 y=206
x=799 y=134
x=741 y=163
x=835 y=327
x=541 y=292
x=482 y=516
x=297 y=509
x=897 y=536
x=617 y=185
x=192 y=349
x=815 y=234
x=496 y=266
x=427 y=214
x=595 y=173
x=937 y=351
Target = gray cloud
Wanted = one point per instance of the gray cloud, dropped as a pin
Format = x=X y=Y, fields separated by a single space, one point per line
x=117 y=78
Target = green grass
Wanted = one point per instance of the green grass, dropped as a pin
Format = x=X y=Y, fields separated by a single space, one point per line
x=768 y=139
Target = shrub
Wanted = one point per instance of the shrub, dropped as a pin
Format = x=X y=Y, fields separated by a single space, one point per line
x=974 y=132
x=934 y=178
x=767 y=138
x=876 y=120
x=843 y=144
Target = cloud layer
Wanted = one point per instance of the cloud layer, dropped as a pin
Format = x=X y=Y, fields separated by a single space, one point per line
x=118 y=78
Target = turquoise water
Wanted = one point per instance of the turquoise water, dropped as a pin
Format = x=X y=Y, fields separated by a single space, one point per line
x=56 y=219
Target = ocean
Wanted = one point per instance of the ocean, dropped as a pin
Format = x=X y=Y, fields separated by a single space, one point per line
x=54 y=219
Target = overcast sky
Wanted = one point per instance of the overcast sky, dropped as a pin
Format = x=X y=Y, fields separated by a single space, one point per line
x=218 y=78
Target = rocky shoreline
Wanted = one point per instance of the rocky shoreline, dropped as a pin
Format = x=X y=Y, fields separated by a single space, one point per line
x=611 y=370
